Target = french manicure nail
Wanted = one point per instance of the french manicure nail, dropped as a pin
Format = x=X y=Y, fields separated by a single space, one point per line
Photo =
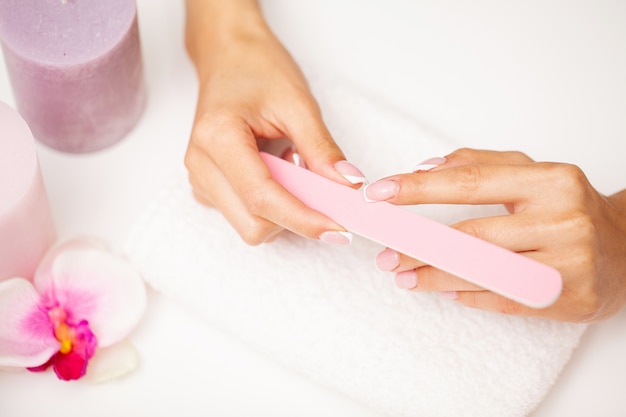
x=387 y=260
x=350 y=172
x=406 y=279
x=429 y=164
x=297 y=159
x=336 y=238
x=292 y=155
x=381 y=190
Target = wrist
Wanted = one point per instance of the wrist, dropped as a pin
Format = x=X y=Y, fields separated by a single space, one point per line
x=212 y=25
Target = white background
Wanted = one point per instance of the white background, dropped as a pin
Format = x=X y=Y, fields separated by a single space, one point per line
x=545 y=77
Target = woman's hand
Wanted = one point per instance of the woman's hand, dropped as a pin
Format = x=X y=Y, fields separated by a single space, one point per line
x=251 y=91
x=556 y=217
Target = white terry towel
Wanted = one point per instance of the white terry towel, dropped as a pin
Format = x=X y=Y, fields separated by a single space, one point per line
x=326 y=312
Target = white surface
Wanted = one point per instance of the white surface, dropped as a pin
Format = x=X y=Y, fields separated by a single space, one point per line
x=542 y=77
x=327 y=313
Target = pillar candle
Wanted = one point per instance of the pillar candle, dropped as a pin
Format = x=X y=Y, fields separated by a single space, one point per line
x=76 y=70
x=26 y=228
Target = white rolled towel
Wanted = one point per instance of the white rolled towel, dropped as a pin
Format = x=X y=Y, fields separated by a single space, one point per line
x=327 y=313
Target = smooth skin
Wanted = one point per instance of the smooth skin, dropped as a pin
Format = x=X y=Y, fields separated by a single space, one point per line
x=556 y=217
x=251 y=91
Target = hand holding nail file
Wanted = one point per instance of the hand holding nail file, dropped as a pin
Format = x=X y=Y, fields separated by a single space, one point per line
x=492 y=267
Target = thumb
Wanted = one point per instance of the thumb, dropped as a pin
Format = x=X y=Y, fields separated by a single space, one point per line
x=320 y=153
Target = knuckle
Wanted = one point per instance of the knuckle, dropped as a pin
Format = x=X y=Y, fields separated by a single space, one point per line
x=254 y=234
x=483 y=300
x=509 y=307
x=426 y=279
x=518 y=157
x=463 y=156
x=202 y=129
x=471 y=228
x=201 y=198
x=411 y=187
x=464 y=153
x=255 y=199
x=469 y=178
x=191 y=160
x=214 y=126
x=255 y=230
x=569 y=179
x=469 y=299
x=326 y=144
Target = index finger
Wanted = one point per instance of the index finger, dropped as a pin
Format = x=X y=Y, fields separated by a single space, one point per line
x=466 y=184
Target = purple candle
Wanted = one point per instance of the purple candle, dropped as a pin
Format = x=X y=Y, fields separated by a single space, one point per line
x=26 y=229
x=75 y=68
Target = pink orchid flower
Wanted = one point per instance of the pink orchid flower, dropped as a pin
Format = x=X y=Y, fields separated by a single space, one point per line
x=82 y=297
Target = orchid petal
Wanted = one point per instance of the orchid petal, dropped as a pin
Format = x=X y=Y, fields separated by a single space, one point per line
x=44 y=367
x=69 y=366
x=26 y=334
x=95 y=285
x=112 y=362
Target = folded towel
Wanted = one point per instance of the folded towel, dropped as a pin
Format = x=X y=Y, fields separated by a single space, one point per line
x=326 y=312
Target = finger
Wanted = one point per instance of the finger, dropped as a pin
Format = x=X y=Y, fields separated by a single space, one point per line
x=199 y=168
x=294 y=157
x=519 y=232
x=244 y=170
x=467 y=184
x=198 y=194
x=211 y=188
x=305 y=127
x=413 y=274
x=428 y=278
x=489 y=301
x=468 y=156
x=566 y=308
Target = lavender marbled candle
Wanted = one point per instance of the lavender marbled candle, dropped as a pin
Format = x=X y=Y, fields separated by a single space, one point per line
x=26 y=228
x=76 y=70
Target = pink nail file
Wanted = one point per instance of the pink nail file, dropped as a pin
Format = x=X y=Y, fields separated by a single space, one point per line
x=492 y=267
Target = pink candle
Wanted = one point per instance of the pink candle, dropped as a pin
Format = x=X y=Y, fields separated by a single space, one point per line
x=26 y=228
x=76 y=69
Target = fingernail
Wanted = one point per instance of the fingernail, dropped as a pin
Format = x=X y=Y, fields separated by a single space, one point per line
x=429 y=164
x=350 y=172
x=297 y=159
x=336 y=238
x=387 y=260
x=406 y=279
x=290 y=154
x=381 y=190
x=451 y=295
